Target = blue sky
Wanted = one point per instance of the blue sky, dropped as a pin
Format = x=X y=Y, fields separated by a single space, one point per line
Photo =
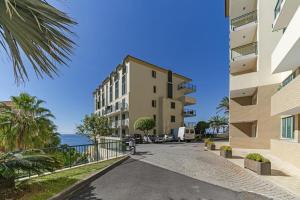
x=188 y=37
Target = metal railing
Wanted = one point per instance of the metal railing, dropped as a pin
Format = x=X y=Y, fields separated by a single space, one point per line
x=244 y=19
x=113 y=108
x=277 y=8
x=119 y=123
x=243 y=50
x=287 y=80
x=186 y=85
x=189 y=113
x=71 y=156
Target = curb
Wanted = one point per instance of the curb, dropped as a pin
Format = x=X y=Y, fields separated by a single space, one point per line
x=66 y=193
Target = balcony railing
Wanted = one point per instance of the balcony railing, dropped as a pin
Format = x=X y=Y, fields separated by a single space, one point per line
x=189 y=113
x=287 y=80
x=189 y=86
x=119 y=123
x=113 y=108
x=244 y=50
x=277 y=8
x=244 y=19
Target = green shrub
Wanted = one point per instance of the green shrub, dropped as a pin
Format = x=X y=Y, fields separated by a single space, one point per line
x=210 y=143
x=257 y=157
x=226 y=148
x=207 y=140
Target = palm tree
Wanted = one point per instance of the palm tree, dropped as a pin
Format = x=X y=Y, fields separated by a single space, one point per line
x=25 y=124
x=38 y=30
x=217 y=122
x=34 y=162
x=223 y=106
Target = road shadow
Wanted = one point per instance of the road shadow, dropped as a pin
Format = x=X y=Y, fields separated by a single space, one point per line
x=141 y=153
x=236 y=157
x=275 y=172
x=86 y=194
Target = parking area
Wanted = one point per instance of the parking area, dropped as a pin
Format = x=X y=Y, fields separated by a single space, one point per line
x=190 y=159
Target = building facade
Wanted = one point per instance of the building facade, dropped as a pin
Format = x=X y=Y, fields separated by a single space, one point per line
x=140 y=89
x=252 y=83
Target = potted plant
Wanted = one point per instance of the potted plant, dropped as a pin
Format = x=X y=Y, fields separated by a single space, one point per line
x=257 y=163
x=211 y=145
x=207 y=140
x=226 y=151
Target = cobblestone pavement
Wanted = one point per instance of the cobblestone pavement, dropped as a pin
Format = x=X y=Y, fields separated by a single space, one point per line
x=192 y=160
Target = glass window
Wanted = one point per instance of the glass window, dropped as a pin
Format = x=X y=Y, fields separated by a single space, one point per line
x=287 y=127
x=123 y=84
x=110 y=94
x=116 y=89
x=154 y=89
x=173 y=105
x=173 y=118
x=154 y=117
x=153 y=74
x=154 y=103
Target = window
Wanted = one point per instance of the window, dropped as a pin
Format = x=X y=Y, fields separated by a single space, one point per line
x=117 y=106
x=170 y=90
x=154 y=117
x=123 y=84
x=287 y=127
x=154 y=103
x=173 y=105
x=173 y=118
x=110 y=94
x=153 y=74
x=124 y=70
x=117 y=89
x=123 y=117
x=154 y=89
x=103 y=100
x=154 y=131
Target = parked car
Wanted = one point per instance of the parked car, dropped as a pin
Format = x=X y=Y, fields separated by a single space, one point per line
x=159 y=138
x=138 y=138
x=184 y=134
x=168 y=138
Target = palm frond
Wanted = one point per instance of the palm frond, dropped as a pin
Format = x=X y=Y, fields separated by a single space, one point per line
x=40 y=31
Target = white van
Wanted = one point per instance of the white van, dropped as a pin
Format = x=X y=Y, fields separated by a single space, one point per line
x=184 y=134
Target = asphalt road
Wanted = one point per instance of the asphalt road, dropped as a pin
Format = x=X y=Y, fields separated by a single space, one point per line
x=137 y=180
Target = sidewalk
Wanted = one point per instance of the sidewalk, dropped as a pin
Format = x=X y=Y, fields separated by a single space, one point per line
x=284 y=174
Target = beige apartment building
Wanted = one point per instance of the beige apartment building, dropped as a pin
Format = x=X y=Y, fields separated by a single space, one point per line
x=264 y=81
x=137 y=89
x=252 y=84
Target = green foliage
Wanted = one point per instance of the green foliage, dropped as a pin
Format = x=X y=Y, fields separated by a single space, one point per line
x=226 y=148
x=207 y=140
x=217 y=122
x=257 y=157
x=40 y=31
x=26 y=124
x=34 y=161
x=144 y=124
x=202 y=126
x=224 y=106
x=210 y=143
x=93 y=126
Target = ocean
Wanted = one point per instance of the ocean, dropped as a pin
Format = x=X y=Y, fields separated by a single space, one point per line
x=74 y=139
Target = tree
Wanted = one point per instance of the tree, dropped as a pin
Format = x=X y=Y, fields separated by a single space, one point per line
x=217 y=122
x=25 y=124
x=34 y=162
x=93 y=126
x=38 y=30
x=144 y=124
x=223 y=106
x=201 y=126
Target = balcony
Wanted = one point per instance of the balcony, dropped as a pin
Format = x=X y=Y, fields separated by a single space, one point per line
x=285 y=56
x=189 y=113
x=243 y=20
x=115 y=109
x=243 y=52
x=243 y=113
x=284 y=12
x=187 y=101
x=287 y=100
x=244 y=82
x=125 y=122
x=187 y=88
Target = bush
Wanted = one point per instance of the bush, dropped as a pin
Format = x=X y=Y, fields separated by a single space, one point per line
x=207 y=140
x=210 y=143
x=257 y=157
x=226 y=148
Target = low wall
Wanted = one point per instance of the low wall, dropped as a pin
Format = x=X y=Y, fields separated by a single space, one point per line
x=287 y=151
